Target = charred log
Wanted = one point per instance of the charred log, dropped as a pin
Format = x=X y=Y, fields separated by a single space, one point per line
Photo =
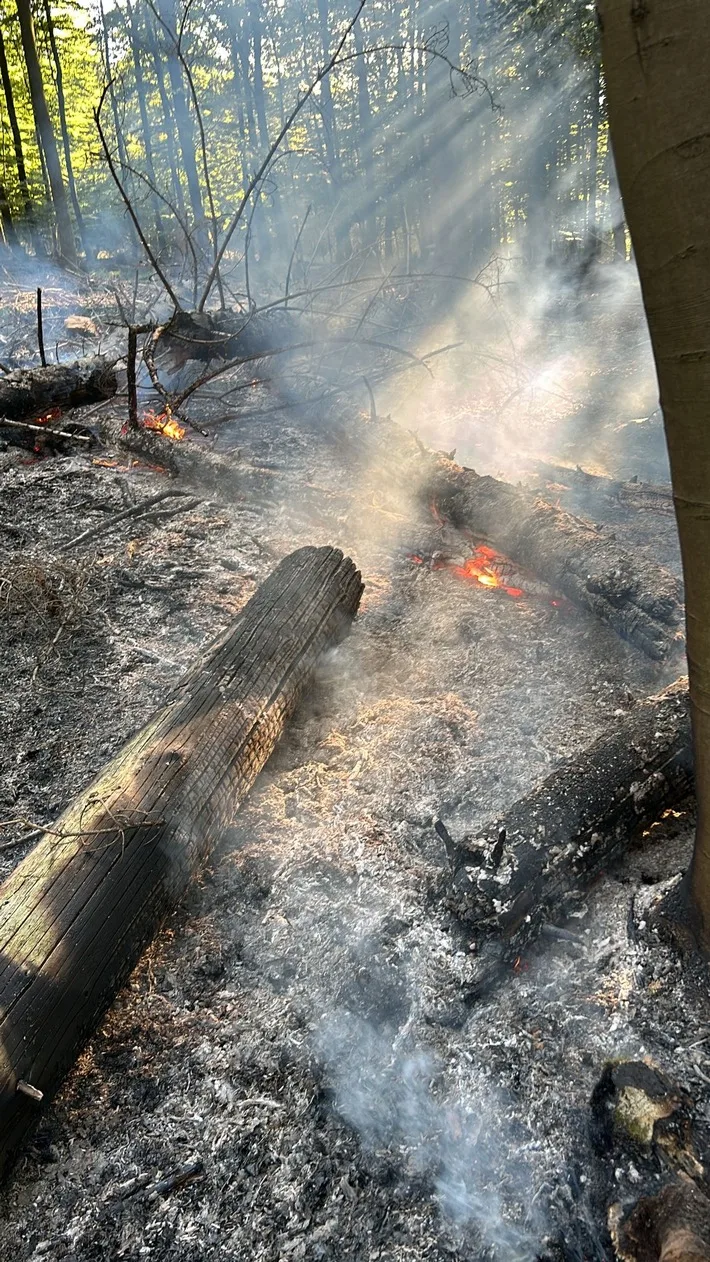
x=590 y=489
x=527 y=868
x=640 y=600
x=28 y=393
x=77 y=912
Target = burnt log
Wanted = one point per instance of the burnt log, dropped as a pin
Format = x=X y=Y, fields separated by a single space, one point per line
x=79 y=909
x=640 y=600
x=528 y=868
x=589 y=490
x=29 y=393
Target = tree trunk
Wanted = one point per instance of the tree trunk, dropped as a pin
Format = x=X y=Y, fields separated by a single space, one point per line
x=529 y=867
x=66 y=145
x=168 y=115
x=17 y=144
x=656 y=59
x=137 y=54
x=120 y=142
x=65 y=233
x=368 y=182
x=182 y=116
x=76 y=914
x=6 y=220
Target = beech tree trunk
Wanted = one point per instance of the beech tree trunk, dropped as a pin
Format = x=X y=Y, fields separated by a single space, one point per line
x=17 y=141
x=65 y=232
x=656 y=59
x=76 y=914
x=66 y=143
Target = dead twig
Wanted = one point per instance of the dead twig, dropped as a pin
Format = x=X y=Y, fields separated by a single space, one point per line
x=105 y=527
x=45 y=429
x=40 y=330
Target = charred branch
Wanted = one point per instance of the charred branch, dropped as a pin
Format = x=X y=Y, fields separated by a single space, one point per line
x=78 y=911
x=589 y=490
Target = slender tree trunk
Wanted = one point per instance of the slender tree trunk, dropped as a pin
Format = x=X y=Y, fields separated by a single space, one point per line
x=17 y=141
x=182 y=116
x=137 y=53
x=61 y=101
x=242 y=40
x=656 y=58
x=120 y=143
x=65 y=233
x=367 y=157
x=592 y=222
x=168 y=115
x=259 y=95
x=616 y=210
x=8 y=226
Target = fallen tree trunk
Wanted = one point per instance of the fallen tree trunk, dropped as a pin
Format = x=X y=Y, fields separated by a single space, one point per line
x=28 y=393
x=528 y=868
x=77 y=912
x=640 y=600
x=589 y=489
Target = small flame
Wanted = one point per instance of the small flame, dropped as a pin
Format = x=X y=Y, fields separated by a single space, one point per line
x=165 y=424
x=484 y=566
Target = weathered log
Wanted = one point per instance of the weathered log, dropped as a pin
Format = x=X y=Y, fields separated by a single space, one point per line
x=640 y=600
x=77 y=912
x=27 y=393
x=529 y=867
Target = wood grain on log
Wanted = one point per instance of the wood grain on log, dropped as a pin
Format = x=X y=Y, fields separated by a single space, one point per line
x=27 y=393
x=77 y=912
x=526 y=868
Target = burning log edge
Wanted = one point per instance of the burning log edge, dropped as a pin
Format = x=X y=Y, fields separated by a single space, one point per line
x=528 y=868
x=640 y=601
x=77 y=912
x=27 y=393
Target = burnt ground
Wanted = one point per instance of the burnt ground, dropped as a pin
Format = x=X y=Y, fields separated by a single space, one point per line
x=300 y=1023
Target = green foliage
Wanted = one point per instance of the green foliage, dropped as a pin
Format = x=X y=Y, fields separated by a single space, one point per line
x=404 y=163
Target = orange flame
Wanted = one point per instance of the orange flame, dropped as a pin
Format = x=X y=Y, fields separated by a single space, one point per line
x=482 y=567
x=165 y=424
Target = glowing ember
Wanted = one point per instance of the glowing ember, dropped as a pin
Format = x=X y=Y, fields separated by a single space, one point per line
x=164 y=424
x=484 y=567
x=48 y=417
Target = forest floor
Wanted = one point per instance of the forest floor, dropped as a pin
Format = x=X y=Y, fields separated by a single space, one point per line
x=299 y=1024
